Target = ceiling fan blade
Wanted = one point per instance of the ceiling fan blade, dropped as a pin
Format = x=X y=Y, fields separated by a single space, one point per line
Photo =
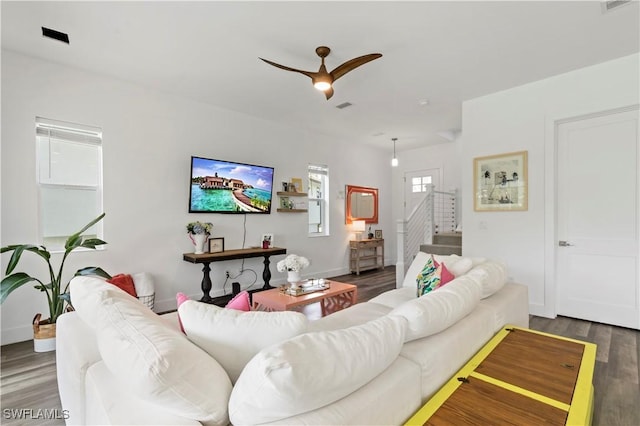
x=307 y=73
x=342 y=69
x=328 y=93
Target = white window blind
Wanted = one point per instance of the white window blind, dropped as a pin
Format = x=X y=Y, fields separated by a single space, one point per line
x=69 y=175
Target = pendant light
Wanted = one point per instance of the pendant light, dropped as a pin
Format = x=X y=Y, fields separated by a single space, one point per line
x=394 y=160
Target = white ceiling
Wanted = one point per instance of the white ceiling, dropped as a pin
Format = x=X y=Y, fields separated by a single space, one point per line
x=445 y=52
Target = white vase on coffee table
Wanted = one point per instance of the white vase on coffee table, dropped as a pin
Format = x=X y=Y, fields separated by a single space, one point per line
x=294 y=278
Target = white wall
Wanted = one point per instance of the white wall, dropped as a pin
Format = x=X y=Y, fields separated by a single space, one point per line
x=148 y=138
x=519 y=119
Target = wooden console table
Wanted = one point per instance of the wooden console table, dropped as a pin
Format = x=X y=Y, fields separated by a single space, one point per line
x=207 y=258
x=366 y=254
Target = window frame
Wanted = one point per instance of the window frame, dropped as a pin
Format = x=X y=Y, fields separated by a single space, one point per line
x=323 y=201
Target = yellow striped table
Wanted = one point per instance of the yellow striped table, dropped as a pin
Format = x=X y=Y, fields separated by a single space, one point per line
x=522 y=377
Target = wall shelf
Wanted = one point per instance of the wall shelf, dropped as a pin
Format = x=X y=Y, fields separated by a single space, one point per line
x=291 y=194
x=284 y=199
x=292 y=210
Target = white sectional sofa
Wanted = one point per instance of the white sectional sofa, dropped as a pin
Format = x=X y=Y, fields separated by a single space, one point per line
x=373 y=363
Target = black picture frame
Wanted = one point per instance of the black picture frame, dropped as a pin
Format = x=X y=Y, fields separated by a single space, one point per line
x=378 y=233
x=216 y=245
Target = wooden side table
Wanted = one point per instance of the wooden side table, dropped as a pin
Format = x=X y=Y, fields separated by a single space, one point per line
x=366 y=254
x=338 y=296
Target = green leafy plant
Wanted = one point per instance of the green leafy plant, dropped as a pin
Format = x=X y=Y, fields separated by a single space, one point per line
x=56 y=295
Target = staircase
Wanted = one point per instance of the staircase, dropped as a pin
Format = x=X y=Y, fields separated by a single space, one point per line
x=446 y=243
x=430 y=228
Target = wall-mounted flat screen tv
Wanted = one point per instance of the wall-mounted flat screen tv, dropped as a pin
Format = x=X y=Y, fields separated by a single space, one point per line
x=218 y=186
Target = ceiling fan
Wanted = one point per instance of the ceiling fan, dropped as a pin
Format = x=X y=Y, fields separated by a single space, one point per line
x=323 y=80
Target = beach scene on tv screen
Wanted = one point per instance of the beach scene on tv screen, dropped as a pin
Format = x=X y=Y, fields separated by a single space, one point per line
x=226 y=187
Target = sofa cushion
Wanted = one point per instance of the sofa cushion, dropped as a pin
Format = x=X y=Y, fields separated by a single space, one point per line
x=394 y=298
x=148 y=357
x=492 y=275
x=233 y=337
x=313 y=370
x=415 y=268
x=457 y=265
x=438 y=310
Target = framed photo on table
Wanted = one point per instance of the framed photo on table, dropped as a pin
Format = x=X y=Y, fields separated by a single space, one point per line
x=500 y=182
x=266 y=241
x=378 y=234
x=216 y=245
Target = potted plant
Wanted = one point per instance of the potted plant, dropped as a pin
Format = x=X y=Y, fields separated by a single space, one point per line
x=199 y=234
x=57 y=296
x=293 y=264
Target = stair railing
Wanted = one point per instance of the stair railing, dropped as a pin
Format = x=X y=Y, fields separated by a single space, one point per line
x=421 y=224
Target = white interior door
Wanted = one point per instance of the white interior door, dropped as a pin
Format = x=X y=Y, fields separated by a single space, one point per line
x=597 y=254
x=415 y=185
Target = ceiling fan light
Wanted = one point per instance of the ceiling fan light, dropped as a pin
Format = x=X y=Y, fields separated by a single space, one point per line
x=322 y=85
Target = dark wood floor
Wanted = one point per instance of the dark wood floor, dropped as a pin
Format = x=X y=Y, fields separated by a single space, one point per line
x=28 y=379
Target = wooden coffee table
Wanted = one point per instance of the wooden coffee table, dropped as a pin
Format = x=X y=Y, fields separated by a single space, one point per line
x=520 y=377
x=338 y=296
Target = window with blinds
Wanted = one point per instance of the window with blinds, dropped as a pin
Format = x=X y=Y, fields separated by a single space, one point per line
x=69 y=176
x=318 y=200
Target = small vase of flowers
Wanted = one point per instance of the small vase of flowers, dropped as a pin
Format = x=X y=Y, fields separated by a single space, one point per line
x=199 y=234
x=293 y=264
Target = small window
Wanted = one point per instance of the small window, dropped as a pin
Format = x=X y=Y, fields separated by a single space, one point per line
x=420 y=184
x=318 y=200
x=69 y=176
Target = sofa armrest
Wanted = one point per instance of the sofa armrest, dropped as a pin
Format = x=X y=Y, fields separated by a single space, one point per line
x=76 y=351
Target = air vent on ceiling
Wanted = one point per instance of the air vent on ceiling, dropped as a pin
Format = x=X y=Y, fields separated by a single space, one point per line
x=609 y=5
x=56 y=35
x=344 y=105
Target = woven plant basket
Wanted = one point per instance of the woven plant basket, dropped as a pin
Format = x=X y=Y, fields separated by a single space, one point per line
x=44 y=334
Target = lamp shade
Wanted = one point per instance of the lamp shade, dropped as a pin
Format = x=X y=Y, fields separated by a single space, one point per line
x=359 y=225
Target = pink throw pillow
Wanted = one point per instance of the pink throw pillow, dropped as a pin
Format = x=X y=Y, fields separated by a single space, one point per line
x=445 y=275
x=180 y=299
x=240 y=302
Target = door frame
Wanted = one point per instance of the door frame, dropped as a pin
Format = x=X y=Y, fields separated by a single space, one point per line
x=552 y=121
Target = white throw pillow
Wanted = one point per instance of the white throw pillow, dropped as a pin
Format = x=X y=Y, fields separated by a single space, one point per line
x=314 y=370
x=492 y=275
x=233 y=337
x=150 y=359
x=143 y=282
x=457 y=265
x=439 y=309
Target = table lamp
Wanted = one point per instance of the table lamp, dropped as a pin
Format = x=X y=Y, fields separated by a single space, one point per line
x=358 y=227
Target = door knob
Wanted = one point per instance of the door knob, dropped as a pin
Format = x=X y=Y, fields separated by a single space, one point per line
x=564 y=243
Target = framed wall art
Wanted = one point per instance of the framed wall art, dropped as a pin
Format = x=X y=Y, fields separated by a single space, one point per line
x=296 y=185
x=500 y=182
